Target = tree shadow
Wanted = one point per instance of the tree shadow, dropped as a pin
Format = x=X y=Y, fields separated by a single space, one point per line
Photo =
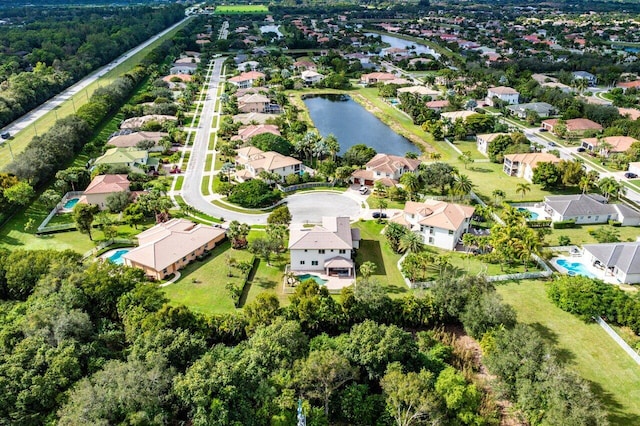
x=480 y=169
x=374 y=254
x=565 y=356
x=613 y=407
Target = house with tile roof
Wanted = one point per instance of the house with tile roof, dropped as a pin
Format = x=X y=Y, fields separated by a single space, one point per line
x=328 y=248
x=246 y=79
x=253 y=102
x=608 y=145
x=523 y=165
x=131 y=140
x=440 y=224
x=575 y=125
x=589 y=209
x=252 y=161
x=543 y=109
x=246 y=133
x=385 y=168
x=136 y=159
x=170 y=246
x=484 y=139
x=102 y=186
x=311 y=77
x=376 y=77
x=619 y=260
x=505 y=94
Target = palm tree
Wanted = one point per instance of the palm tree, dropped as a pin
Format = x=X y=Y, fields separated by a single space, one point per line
x=498 y=194
x=381 y=204
x=609 y=187
x=523 y=188
x=469 y=240
x=462 y=185
x=411 y=183
x=237 y=233
x=411 y=242
x=466 y=158
x=367 y=269
x=332 y=145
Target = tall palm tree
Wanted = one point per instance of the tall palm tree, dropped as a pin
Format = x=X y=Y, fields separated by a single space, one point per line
x=498 y=194
x=609 y=187
x=411 y=242
x=462 y=185
x=523 y=188
x=332 y=145
x=411 y=183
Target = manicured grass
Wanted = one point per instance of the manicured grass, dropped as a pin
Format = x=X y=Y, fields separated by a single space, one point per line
x=586 y=349
x=268 y=278
x=207 y=164
x=234 y=208
x=179 y=182
x=199 y=215
x=233 y=9
x=470 y=146
x=374 y=248
x=20 y=140
x=212 y=141
x=580 y=235
x=204 y=186
x=208 y=294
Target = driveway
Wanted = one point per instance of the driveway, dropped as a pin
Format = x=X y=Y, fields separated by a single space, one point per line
x=309 y=207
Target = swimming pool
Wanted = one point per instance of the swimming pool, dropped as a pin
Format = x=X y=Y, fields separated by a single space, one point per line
x=316 y=278
x=575 y=268
x=532 y=215
x=117 y=256
x=70 y=204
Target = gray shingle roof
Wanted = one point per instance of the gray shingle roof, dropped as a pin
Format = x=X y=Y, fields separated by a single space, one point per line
x=625 y=256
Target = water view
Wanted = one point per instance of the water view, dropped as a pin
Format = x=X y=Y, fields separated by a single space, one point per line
x=352 y=124
x=271 y=29
x=405 y=44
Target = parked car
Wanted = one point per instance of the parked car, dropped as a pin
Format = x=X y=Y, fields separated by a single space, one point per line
x=5 y=135
x=630 y=175
x=363 y=190
x=378 y=215
x=552 y=144
x=542 y=129
x=581 y=149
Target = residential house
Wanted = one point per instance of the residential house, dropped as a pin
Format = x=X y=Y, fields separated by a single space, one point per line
x=253 y=102
x=557 y=85
x=254 y=161
x=248 y=66
x=311 y=77
x=183 y=68
x=136 y=159
x=505 y=94
x=419 y=90
x=523 y=165
x=178 y=77
x=376 y=77
x=252 y=117
x=385 y=168
x=620 y=260
x=102 y=186
x=634 y=167
x=246 y=79
x=438 y=105
x=591 y=79
x=246 y=133
x=608 y=145
x=131 y=140
x=137 y=122
x=543 y=109
x=575 y=125
x=589 y=209
x=440 y=224
x=328 y=248
x=483 y=141
x=624 y=85
x=170 y=246
x=630 y=113
x=305 y=65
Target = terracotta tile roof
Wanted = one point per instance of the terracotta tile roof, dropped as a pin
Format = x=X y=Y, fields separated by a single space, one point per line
x=248 y=132
x=488 y=137
x=576 y=124
x=107 y=184
x=245 y=76
x=618 y=143
x=532 y=158
x=503 y=90
x=390 y=163
x=132 y=139
x=440 y=214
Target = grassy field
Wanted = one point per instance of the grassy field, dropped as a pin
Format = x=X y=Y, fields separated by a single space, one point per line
x=207 y=293
x=20 y=140
x=585 y=348
x=237 y=9
x=580 y=235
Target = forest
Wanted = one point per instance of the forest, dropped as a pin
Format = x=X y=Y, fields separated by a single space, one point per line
x=43 y=51
x=98 y=344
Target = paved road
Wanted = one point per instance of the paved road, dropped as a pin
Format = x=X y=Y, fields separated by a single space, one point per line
x=29 y=118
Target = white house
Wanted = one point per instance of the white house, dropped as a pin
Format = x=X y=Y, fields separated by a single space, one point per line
x=620 y=260
x=505 y=94
x=583 y=75
x=246 y=79
x=523 y=165
x=386 y=168
x=183 y=68
x=311 y=77
x=589 y=209
x=255 y=161
x=327 y=248
x=483 y=141
x=440 y=224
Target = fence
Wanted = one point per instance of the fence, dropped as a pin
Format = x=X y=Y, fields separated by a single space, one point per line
x=611 y=332
x=104 y=245
x=43 y=228
x=297 y=187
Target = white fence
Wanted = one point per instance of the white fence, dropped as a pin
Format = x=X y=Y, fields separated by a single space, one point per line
x=106 y=244
x=43 y=226
x=611 y=332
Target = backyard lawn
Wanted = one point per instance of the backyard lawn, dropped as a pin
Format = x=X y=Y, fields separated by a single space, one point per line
x=207 y=294
x=586 y=349
x=580 y=235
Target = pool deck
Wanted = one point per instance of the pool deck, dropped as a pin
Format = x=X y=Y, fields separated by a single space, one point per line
x=597 y=273
x=333 y=283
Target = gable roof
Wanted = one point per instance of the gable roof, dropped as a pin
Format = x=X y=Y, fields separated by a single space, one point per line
x=167 y=243
x=246 y=76
x=439 y=214
x=122 y=155
x=624 y=256
x=253 y=98
x=538 y=107
x=334 y=233
x=107 y=184
x=378 y=76
x=488 y=137
x=250 y=131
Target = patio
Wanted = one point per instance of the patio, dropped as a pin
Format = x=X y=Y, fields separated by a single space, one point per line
x=578 y=264
x=333 y=283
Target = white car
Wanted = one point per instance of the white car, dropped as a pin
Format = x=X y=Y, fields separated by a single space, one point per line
x=363 y=190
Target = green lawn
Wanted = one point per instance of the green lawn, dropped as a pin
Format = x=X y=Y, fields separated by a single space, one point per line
x=580 y=235
x=204 y=186
x=207 y=293
x=586 y=349
x=209 y=160
x=470 y=146
x=179 y=182
x=233 y=9
x=268 y=278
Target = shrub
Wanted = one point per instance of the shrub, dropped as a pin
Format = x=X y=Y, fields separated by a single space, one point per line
x=564 y=224
x=254 y=193
x=615 y=223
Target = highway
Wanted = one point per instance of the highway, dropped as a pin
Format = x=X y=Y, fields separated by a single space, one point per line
x=35 y=114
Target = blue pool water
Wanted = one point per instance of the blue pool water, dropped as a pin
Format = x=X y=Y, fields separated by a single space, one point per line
x=532 y=215
x=316 y=278
x=575 y=268
x=71 y=203
x=117 y=256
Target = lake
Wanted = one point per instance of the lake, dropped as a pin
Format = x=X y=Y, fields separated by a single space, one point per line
x=404 y=44
x=271 y=29
x=352 y=124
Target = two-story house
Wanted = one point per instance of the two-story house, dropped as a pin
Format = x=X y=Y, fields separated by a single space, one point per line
x=385 y=168
x=253 y=102
x=104 y=185
x=327 y=248
x=523 y=165
x=246 y=79
x=440 y=224
x=505 y=94
x=483 y=140
x=254 y=161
